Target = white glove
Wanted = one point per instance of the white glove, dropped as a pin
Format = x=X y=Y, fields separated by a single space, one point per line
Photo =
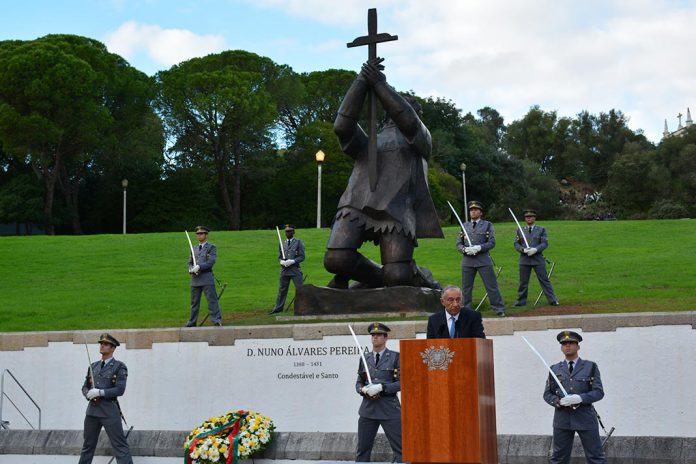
x=526 y=250
x=93 y=393
x=195 y=269
x=290 y=262
x=570 y=400
x=284 y=262
x=364 y=390
x=531 y=251
x=469 y=251
x=374 y=389
x=476 y=248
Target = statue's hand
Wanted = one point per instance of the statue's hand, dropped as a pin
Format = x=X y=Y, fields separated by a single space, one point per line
x=372 y=71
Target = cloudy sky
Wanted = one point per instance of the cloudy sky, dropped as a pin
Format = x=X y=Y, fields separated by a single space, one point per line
x=563 y=55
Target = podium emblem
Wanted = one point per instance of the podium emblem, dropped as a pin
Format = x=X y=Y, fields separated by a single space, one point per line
x=437 y=358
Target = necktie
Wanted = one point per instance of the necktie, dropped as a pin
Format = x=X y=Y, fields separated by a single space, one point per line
x=529 y=229
x=376 y=359
x=102 y=364
x=451 y=330
x=473 y=225
x=570 y=367
x=200 y=247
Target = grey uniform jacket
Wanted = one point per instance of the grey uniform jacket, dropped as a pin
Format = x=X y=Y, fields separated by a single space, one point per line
x=537 y=239
x=295 y=250
x=584 y=381
x=484 y=235
x=388 y=373
x=205 y=258
x=112 y=379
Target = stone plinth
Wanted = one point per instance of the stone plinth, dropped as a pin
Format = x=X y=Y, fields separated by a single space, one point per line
x=314 y=301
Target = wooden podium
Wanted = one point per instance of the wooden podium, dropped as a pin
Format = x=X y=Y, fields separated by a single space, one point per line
x=448 y=401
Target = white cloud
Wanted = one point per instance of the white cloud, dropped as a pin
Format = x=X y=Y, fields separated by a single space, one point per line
x=164 y=46
x=631 y=55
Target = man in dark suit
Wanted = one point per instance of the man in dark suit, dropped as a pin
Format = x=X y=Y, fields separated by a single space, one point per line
x=532 y=258
x=202 y=279
x=454 y=321
x=103 y=410
x=380 y=405
x=575 y=412
x=290 y=257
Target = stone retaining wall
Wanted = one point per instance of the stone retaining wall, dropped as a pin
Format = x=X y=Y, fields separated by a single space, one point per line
x=221 y=336
x=512 y=449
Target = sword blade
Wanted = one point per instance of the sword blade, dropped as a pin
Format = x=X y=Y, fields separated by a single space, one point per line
x=558 y=382
x=89 y=360
x=372 y=134
x=519 y=227
x=193 y=255
x=461 y=224
x=280 y=242
x=362 y=355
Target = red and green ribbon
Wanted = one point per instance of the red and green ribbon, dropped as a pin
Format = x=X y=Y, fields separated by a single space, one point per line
x=233 y=425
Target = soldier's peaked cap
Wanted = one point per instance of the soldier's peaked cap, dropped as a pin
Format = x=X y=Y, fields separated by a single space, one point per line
x=202 y=229
x=530 y=212
x=106 y=338
x=378 y=328
x=568 y=336
x=289 y=227
x=475 y=204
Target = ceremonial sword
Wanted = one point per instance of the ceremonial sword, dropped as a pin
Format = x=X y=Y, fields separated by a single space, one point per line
x=193 y=255
x=520 y=228
x=461 y=224
x=280 y=242
x=558 y=382
x=362 y=356
x=91 y=372
x=371 y=40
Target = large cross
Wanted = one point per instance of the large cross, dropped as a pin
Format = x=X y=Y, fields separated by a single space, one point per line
x=371 y=40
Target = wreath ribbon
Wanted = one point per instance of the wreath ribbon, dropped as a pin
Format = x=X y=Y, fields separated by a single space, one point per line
x=234 y=425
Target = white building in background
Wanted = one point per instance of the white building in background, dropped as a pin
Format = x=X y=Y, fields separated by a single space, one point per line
x=680 y=129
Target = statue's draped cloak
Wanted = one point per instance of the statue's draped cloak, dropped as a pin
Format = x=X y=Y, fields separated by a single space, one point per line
x=401 y=202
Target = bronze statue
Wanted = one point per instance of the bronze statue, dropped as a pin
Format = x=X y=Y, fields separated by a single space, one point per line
x=387 y=200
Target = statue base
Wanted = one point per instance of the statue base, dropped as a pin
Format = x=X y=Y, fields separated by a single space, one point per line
x=311 y=300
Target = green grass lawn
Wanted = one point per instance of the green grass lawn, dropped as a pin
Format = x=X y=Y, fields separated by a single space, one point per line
x=141 y=280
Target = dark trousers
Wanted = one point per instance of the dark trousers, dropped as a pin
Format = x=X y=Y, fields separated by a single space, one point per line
x=563 y=445
x=284 y=286
x=489 y=281
x=546 y=287
x=367 y=431
x=213 y=306
x=114 y=429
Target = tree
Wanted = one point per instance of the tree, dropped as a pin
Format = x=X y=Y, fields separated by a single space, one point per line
x=316 y=96
x=64 y=103
x=636 y=180
x=219 y=111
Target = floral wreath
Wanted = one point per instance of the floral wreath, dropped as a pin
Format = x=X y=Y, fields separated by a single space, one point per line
x=237 y=434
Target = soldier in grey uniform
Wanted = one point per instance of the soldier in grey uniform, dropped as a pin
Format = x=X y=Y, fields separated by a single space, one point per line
x=476 y=258
x=202 y=279
x=380 y=405
x=294 y=252
x=533 y=258
x=103 y=410
x=398 y=209
x=575 y=412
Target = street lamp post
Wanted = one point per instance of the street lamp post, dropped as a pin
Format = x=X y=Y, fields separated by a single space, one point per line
x=320 y=159
x=466 y=209
x=124 y=184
